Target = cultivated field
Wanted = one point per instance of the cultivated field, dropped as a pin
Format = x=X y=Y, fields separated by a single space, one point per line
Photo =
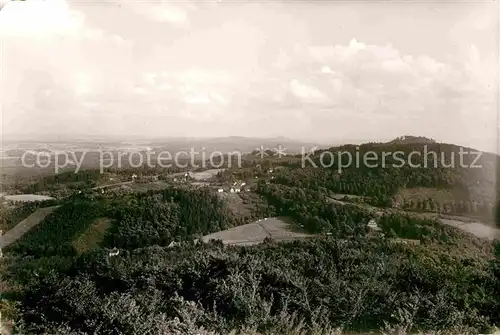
x=91 y=238
x=253 y=233
x=201 y=175
x=27 y=197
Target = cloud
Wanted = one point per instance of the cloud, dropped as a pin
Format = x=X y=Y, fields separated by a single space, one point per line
x=175 y=15
x=50 y=19
x=326 y=69
x=244 y=64
x=306 y=93
x=386 y=72
x=38 y=18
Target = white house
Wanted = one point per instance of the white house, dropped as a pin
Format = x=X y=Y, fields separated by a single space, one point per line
x=372 y=224
x=231 y=190
x=114 y=252
x=172 y=244
x=134 y=176
x=237 y=190
x=220 y=190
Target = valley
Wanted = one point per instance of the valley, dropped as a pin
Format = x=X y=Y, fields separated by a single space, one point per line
x=267 y=235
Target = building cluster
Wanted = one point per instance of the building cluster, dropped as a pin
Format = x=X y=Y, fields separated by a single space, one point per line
x=236 y=187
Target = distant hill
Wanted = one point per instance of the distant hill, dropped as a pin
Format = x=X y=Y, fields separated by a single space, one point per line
x=235 y=143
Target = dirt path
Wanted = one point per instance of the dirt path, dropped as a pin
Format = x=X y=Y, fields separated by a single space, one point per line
x=24 y=226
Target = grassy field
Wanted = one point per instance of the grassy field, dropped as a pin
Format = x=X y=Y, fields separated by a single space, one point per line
x=423 y=193
x=92 y=237
x=278 y=229
x=27 y=197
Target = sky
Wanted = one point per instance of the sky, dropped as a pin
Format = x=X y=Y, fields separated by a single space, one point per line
x=328 y=71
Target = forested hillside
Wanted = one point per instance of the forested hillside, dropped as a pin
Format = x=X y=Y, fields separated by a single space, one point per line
x=471 y=179
x=274 y=289
x=142 y=219
x=412 y=273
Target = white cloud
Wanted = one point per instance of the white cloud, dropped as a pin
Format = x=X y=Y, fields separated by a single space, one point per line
x=49 y=21
x=326 y=69
x=39 y=18
x=197 y=99
x=161 y=12
x=83 y=83
x=306 y=93
x=173 y=15
x=141 y=90
x=245 y=63
x=197 y=76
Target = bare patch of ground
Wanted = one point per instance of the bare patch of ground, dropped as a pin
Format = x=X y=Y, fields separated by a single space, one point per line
x=91 y=238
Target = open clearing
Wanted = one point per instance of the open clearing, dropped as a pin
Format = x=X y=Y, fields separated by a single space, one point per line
x=248 y=205
x=205 y=174
x=442 y=196
x=112 y=185
x=201 y=175
x=157 y=185
x=24 y=226
x=91 y=238
x=476 y=228
x=27 y=197
x=254 y=233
